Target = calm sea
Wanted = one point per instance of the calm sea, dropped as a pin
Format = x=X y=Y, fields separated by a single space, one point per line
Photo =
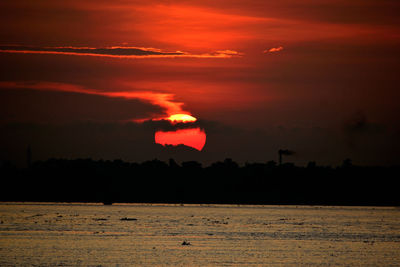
x=51 y=234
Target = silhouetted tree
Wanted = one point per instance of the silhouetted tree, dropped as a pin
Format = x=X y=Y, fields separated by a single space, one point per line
x=311 y=165
x=347 y=163
x=221 y=182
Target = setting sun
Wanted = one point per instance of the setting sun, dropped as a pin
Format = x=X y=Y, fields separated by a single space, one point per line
x=194 y=137
x=181 y=118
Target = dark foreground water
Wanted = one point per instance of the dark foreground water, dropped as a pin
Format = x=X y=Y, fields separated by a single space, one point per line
x=52 y=234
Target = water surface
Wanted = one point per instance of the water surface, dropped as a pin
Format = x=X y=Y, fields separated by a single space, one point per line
x=51 y=234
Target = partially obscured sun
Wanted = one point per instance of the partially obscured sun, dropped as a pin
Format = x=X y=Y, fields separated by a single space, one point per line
x=192 y=137
x=182 y=118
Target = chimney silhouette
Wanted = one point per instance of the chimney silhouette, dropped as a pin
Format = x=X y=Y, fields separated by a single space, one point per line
x=29 y=156
x=284 y=152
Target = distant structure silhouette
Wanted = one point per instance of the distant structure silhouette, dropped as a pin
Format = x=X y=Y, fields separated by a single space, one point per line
x=29 y=157
x=285 y=152
x=347 y=163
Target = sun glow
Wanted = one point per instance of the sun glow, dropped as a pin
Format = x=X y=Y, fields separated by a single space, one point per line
x=193 y=137
x=176 y=118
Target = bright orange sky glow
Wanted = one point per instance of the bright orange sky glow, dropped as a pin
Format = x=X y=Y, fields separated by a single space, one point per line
x=194 y=137
x=255 y=75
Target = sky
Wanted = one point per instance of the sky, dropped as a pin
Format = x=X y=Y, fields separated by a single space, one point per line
x=99 y=79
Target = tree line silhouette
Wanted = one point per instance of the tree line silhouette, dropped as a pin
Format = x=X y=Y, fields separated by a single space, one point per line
x=155 y=181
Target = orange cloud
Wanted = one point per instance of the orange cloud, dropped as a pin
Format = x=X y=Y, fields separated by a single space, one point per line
x=115 y=52
x=274 y=49
x=230 y=52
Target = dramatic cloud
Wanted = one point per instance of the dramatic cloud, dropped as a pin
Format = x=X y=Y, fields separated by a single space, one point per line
x=58 y=107
x=114 y=52
x=162 y=100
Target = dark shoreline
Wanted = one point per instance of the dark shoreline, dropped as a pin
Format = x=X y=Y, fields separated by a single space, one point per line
x=201 y=205
x=88 y=181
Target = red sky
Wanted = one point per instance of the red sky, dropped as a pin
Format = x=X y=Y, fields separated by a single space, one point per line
x=324 y=73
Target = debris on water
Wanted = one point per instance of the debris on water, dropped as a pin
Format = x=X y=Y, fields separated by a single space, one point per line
x=186 y=243
x=100 y=219
x=369 y=242
x=36 y=215
x=128 y=219
x=219 y=222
